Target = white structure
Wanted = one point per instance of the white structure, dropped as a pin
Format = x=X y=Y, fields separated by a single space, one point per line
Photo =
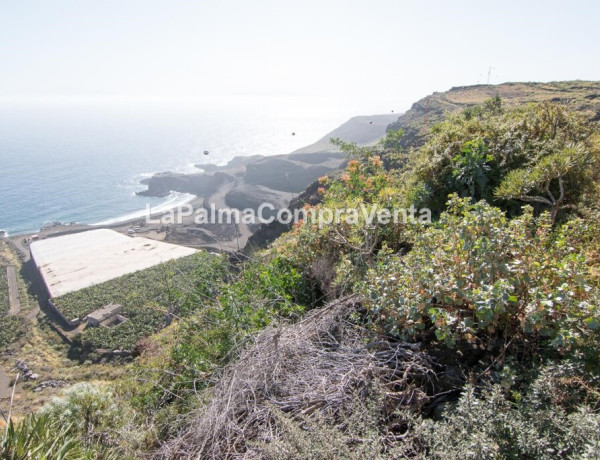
x=107 y=312
x=73 y=262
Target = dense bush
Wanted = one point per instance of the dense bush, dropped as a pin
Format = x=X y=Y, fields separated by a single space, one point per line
x=531 y=153
x=479 y=277
x=546 y=422
x=543 y=154
x=555 y=417
x=336 y=254
x=581 y=234
x=264 y=290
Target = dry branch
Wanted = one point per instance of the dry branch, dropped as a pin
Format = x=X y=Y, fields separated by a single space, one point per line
x=320 y=365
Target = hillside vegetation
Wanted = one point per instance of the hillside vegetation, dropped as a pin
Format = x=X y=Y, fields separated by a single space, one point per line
x=580 y=96
x=473 y=335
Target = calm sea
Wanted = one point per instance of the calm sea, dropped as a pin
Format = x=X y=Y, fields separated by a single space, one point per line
x=82 y=162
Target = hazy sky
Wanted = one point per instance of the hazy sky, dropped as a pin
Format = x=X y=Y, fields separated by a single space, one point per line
x=372 y=54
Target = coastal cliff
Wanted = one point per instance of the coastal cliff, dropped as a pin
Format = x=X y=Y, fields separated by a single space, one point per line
x=288 y=173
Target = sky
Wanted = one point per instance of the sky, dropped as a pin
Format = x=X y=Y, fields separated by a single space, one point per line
x=370 y=55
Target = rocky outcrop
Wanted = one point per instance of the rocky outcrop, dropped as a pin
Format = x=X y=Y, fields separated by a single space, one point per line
x=252 y=196
x=197 y=184
x=282 y=174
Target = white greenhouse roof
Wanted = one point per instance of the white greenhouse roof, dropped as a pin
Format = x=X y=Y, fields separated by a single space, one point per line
x=73 y=262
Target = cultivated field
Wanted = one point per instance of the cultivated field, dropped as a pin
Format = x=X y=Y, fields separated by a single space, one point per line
x=146 y=295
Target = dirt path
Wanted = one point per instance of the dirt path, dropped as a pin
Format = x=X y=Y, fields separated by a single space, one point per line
x=5 y=389
x=24 y=251
x=13 y=291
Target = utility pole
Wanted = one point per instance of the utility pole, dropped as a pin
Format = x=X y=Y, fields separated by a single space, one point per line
x=489 y=74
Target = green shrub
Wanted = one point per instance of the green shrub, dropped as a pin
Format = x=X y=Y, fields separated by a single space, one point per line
x=85 y=407
x=95 y=416
x=582 y=236
x=336 y=255
x=557 y=417
x=530 y=153
x=264 y=290
x=478 y=277
x=44 y=437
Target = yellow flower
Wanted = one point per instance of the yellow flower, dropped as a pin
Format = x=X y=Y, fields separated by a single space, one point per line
x=353 y=165
x=376 y=161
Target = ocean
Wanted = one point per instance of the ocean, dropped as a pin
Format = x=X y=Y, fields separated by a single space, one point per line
x=83 y=161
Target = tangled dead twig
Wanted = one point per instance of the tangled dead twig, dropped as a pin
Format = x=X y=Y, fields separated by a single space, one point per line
x=317 y=366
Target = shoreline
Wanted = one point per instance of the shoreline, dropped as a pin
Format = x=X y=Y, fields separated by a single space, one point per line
x=111 y=221
x=171 y=203
x=222 y=239
x=244 y=182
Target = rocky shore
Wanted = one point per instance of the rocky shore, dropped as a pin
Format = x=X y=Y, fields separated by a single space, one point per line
x=248 y=182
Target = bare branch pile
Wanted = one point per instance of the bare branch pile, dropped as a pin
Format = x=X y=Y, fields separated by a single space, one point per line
x=319 y=366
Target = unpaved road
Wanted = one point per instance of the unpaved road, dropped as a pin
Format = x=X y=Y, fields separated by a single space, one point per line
x=5 y=388
x=13 y=291
x=15 y=309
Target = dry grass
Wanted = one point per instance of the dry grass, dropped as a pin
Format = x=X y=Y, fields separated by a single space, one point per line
x=45 y=354
x=320 y=366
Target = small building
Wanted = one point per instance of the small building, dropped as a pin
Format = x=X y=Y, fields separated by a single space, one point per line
x=103 y=314
x=113 y=321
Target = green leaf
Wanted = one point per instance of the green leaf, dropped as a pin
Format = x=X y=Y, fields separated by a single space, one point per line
x=592 y=323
